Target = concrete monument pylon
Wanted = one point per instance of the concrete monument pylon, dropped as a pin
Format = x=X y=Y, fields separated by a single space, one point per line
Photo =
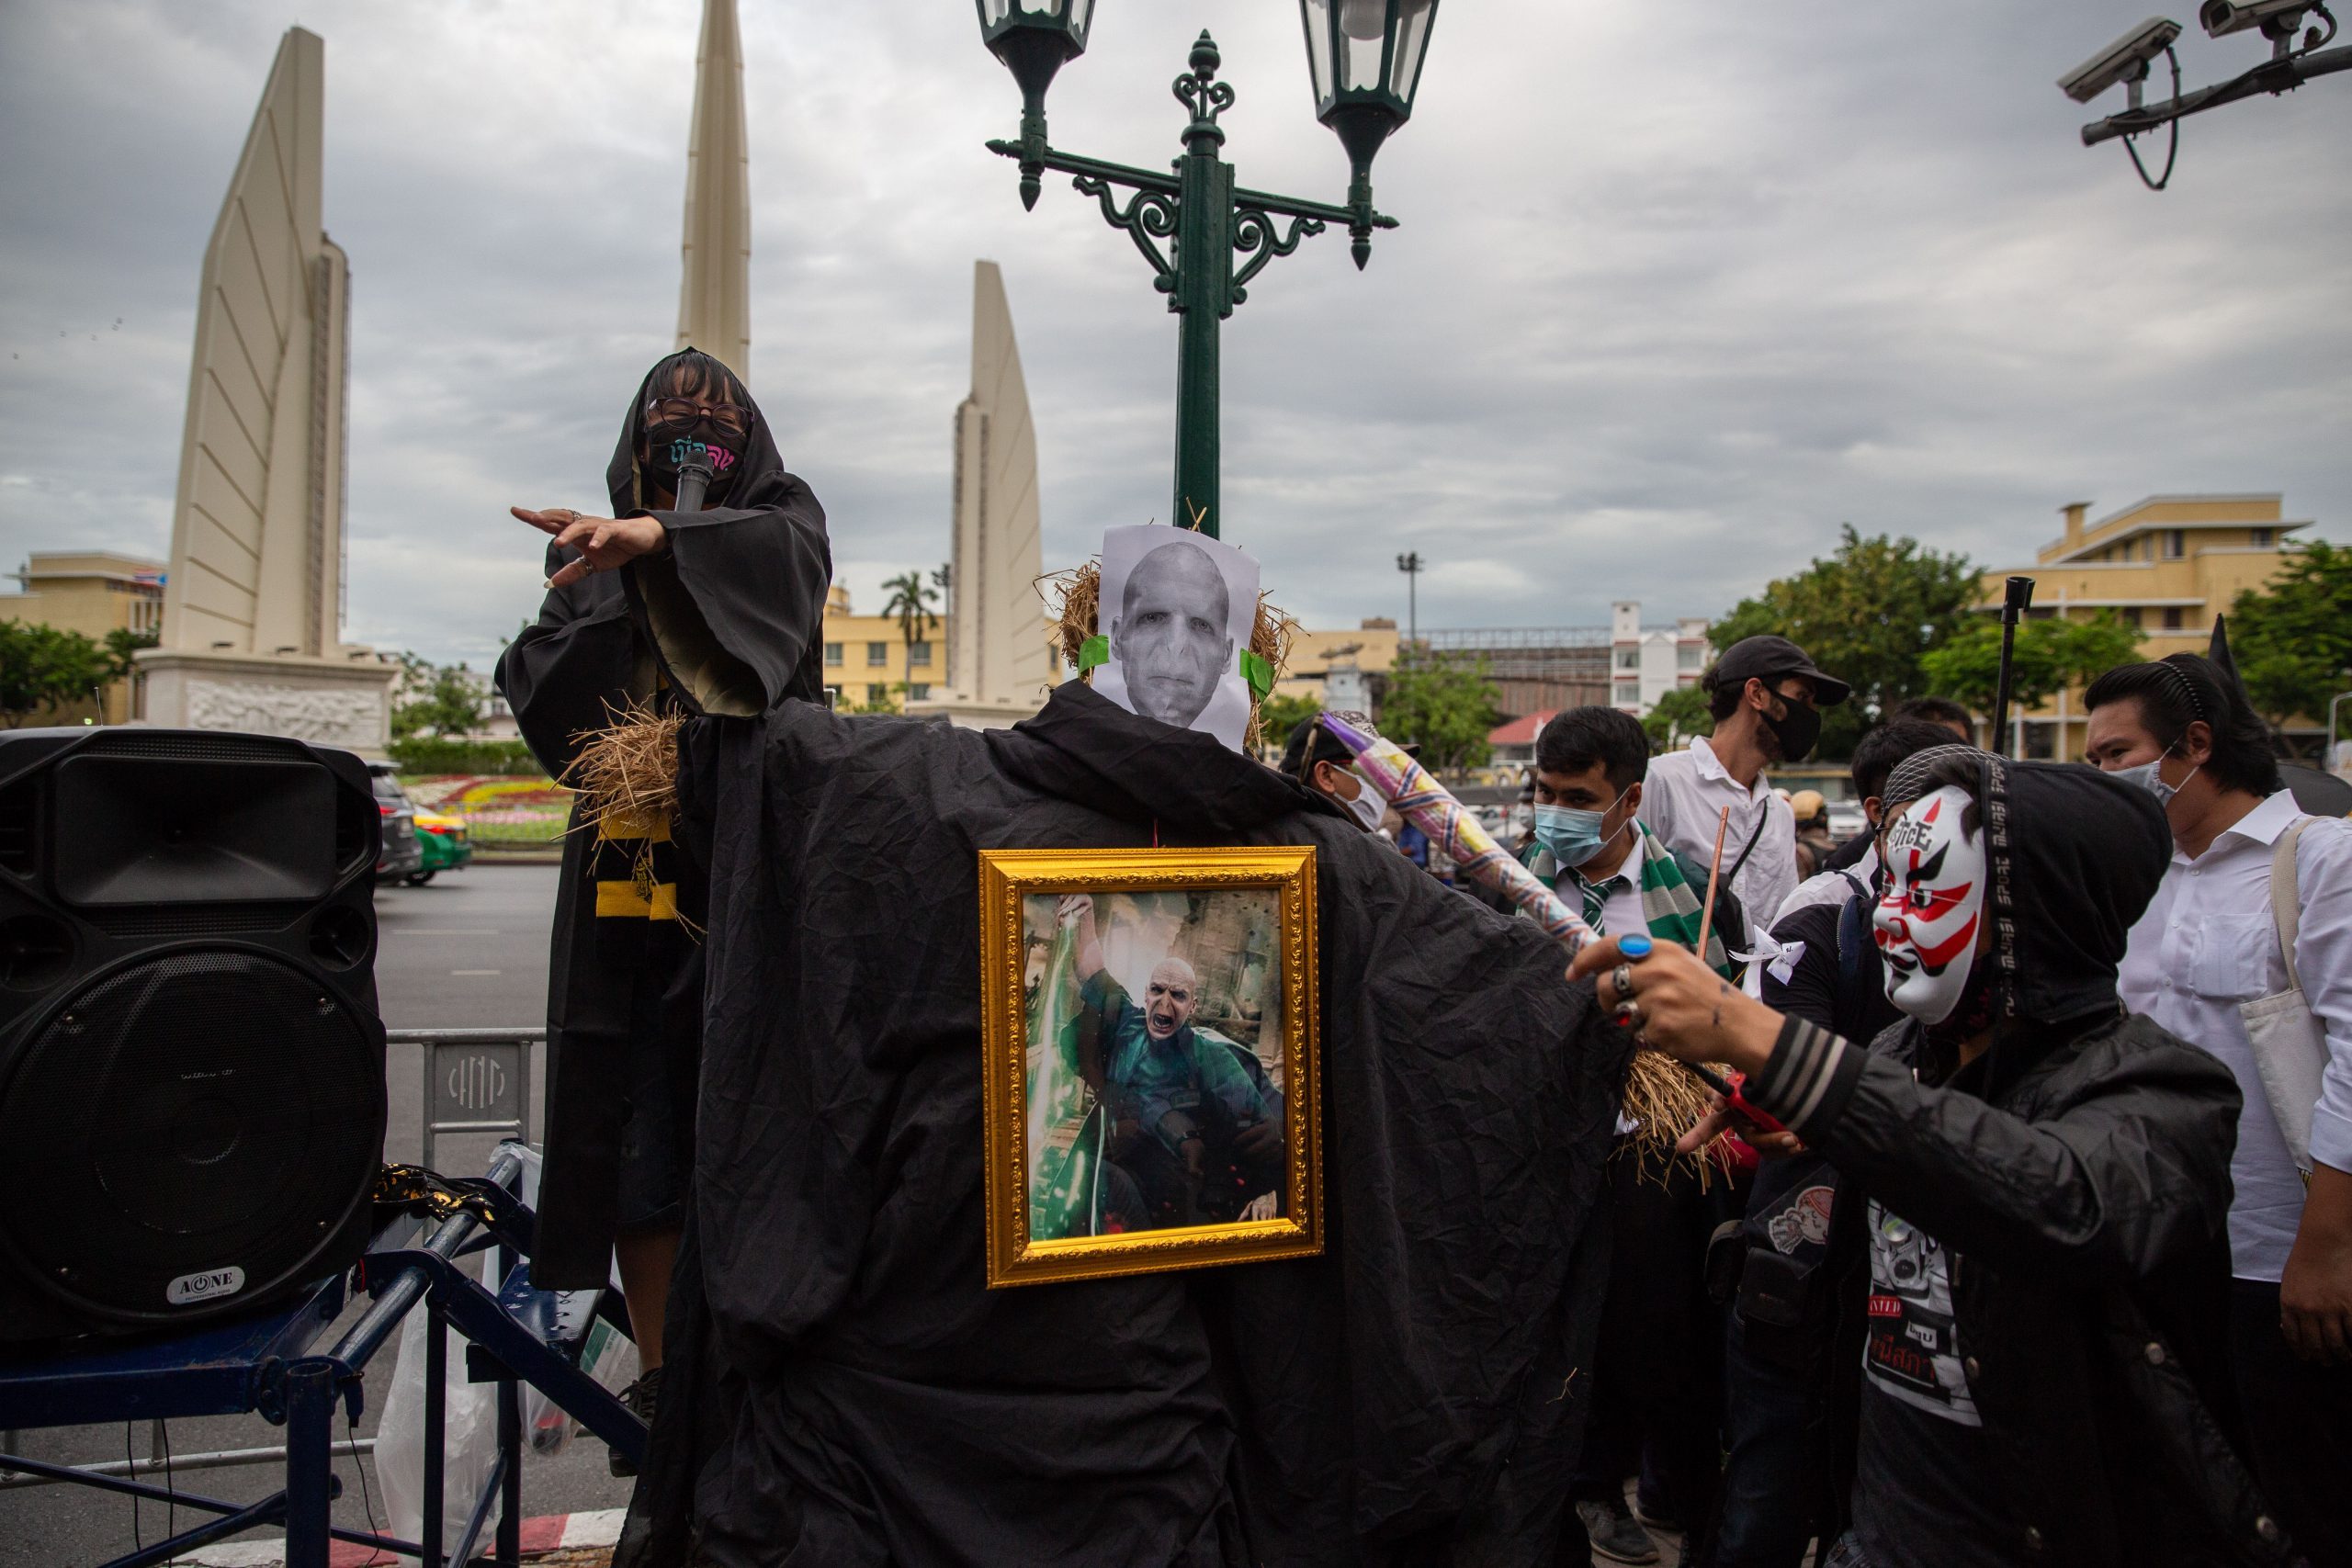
x=253 y=601
x=999 y=669
x=714 y=293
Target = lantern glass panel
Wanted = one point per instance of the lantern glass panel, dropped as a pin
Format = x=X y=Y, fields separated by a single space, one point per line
x=1318 y=49
x=1363 y=34
x=1412 y=39
x=1082 y=12
x=993 y=11
x=1040 y=7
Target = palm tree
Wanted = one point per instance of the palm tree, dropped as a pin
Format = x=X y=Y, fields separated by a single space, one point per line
x=911 y=599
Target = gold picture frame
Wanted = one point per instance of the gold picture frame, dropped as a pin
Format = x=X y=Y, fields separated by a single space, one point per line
x=1125 y=1101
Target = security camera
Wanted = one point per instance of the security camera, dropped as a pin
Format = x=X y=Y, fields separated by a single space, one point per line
x=2276 y=17
x=2125 y=60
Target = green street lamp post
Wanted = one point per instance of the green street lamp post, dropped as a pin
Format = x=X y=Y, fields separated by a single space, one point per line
x=1365 y=60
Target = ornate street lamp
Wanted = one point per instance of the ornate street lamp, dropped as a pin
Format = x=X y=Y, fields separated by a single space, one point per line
x=1365 y=59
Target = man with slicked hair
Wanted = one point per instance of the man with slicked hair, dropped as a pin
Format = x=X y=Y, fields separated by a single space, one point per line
x=1172 y=637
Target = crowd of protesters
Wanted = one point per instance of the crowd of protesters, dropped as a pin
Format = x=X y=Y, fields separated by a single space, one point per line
x=2040 y=1249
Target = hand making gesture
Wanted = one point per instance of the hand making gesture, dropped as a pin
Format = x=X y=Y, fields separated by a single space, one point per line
x=605 y=544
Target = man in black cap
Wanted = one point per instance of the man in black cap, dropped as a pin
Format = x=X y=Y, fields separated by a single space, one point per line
x=1315 y=758
x=1766 y=696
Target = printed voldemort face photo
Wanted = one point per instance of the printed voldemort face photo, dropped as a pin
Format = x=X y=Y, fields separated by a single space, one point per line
x=1161 y=1057
x=1177 y=610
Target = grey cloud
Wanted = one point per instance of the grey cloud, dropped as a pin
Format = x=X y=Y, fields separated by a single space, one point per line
x=1674 y=297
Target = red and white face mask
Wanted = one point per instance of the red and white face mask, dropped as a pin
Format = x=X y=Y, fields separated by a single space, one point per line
x=1928 y=923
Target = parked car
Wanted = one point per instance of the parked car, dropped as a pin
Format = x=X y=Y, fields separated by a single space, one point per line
x=400 y=856
x=443 y=840
x=1846 y=819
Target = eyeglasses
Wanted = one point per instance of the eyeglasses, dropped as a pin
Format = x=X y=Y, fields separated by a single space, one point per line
x=683 y=410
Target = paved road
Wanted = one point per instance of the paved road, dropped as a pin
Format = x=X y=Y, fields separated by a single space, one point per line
x=468 y=950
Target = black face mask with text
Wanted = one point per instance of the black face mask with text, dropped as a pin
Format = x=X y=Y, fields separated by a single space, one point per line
x=669 y=447
x=1796 y=730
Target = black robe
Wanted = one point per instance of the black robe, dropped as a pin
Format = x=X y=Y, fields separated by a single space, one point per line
x=840 y=1387
x=756 y=572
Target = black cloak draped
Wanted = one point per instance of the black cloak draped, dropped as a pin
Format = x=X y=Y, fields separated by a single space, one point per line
x=757 y=569
x=841 y=1388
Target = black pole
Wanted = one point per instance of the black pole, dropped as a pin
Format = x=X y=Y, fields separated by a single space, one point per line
x=2014 y=602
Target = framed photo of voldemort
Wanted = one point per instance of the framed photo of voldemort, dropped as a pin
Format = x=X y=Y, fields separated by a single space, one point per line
x=1149 y=1019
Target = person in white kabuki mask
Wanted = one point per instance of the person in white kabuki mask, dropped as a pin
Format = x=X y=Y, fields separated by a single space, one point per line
x=2045 y=1179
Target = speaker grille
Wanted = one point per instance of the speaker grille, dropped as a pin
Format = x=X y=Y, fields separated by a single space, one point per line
x=189 y=746
x=189 y=1113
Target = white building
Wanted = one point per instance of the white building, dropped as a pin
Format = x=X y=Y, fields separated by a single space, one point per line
x=1647 y=662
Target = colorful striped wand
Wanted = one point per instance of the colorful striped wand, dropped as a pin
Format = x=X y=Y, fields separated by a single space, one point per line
x=1429 y=806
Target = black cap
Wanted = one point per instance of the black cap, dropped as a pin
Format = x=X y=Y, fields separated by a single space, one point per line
x=1769 y=657
x=1311 y=743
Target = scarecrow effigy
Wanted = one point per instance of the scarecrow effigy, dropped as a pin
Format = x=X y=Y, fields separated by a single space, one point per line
x=1393 y=1380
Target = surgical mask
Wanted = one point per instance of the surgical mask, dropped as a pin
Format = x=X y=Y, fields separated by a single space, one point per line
x=1796 y=732
x=2148 y=776
x=1369 y=805
x=1572 y=835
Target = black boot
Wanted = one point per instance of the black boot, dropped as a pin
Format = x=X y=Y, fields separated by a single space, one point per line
x=641 y=1397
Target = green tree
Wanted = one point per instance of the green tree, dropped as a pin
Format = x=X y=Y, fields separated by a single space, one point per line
x=122 y=644
x=1446 y=707
x=911 y=599
x=2293 y=639
x=1680 y=715
x=1278 y=715
x=1868 y=615
x=440 y=700
x=44 y=669
x=2051 y=655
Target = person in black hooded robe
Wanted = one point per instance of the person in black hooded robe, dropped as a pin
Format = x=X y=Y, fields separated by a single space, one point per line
x=625 y=973
x=844 y=1388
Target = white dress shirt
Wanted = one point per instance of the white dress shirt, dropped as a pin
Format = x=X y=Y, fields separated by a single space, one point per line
x=2209 y=942
x=1683 y=797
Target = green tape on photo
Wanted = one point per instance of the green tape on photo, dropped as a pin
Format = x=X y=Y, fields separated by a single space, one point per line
x=1260 y=673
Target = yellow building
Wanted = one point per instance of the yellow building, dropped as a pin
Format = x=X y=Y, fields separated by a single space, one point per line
x=2167 y=565
x=1329 y=666
x=868 y=659
x=93 y=592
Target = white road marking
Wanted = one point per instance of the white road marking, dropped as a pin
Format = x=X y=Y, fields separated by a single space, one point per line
x=403 y=931
x=477 y=971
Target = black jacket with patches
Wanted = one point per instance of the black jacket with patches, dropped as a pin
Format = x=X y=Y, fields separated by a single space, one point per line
x=2081 y=1168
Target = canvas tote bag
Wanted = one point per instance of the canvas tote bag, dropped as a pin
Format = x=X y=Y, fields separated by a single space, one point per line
x=2289 y=1051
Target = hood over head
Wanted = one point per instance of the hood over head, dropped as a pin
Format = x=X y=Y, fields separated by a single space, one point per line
x=1084 y=747
x=753 y=480
x=2074 y=856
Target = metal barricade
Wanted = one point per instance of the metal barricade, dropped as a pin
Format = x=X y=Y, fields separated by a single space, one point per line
x=476 y=1080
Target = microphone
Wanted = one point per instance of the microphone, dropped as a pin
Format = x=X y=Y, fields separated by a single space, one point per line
x=693 y=481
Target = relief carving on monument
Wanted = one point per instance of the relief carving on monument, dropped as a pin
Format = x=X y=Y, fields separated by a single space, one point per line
x=328 y=717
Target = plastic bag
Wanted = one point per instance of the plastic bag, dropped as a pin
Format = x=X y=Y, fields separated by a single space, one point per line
x=470 y=1426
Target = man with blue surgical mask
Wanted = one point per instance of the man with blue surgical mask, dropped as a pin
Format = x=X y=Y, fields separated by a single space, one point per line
x=1657 y=1390
x=1589 y=839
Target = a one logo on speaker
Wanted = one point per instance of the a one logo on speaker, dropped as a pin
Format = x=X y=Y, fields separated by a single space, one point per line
x=208 y=1286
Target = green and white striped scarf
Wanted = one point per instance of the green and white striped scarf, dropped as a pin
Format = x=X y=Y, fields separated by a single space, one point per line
x=1669 y=904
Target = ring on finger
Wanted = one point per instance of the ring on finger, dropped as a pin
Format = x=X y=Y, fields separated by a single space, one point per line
x=1630 y=1013
x=1620 y=980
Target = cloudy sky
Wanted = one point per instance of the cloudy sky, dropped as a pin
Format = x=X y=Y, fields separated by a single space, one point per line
x=1679 y=288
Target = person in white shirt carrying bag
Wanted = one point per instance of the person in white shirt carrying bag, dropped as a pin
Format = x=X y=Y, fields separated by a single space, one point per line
x=2246 y=951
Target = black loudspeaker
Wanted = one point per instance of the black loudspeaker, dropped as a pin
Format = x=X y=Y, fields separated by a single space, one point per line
x=191 y=1065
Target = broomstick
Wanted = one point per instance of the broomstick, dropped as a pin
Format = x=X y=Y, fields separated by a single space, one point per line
x=1762 y=1121
x=2014 y=601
